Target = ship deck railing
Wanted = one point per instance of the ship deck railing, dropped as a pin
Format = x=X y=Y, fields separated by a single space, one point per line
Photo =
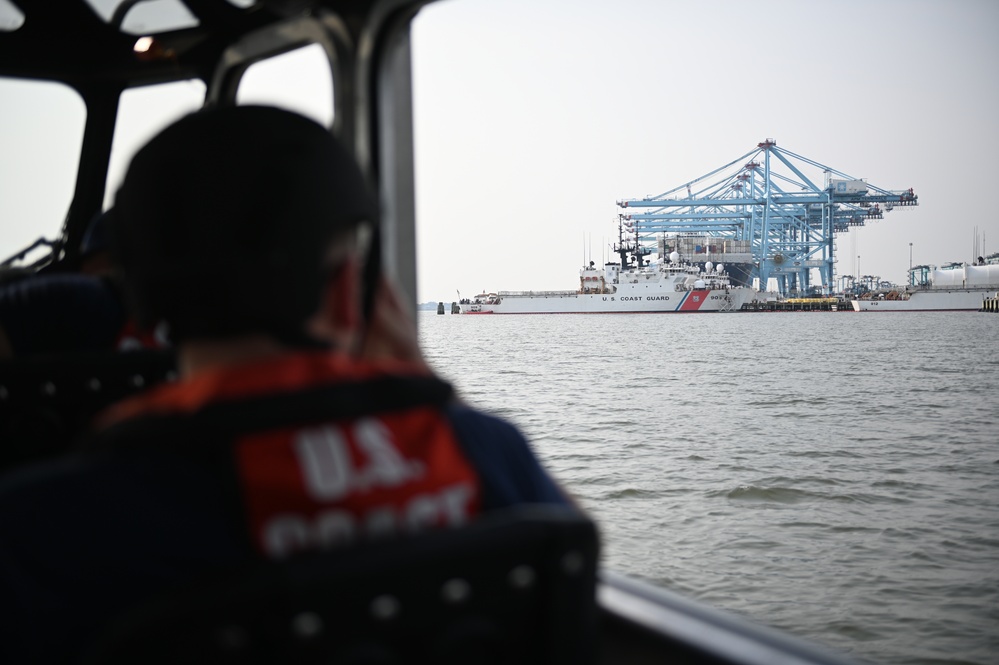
x=538 y=294
x=953 y=287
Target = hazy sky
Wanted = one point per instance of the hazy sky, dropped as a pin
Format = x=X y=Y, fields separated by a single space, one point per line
x=532 y=117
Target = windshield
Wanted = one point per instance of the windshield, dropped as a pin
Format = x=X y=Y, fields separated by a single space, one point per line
x=43 y=126
x=41 y=134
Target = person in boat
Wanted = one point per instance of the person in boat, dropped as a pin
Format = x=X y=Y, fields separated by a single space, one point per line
x=61 y=312
x=58 y=313
x=297 y=423
x=74 y=311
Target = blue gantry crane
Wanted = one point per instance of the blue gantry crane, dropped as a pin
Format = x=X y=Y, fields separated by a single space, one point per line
x=763 y=217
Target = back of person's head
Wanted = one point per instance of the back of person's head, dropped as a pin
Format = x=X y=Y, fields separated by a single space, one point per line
x=224 y=221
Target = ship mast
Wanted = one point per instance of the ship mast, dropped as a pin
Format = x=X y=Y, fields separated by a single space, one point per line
x=624 y=249
x=620 y=247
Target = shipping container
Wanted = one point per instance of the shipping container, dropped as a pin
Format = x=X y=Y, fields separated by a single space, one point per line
x=847 y=186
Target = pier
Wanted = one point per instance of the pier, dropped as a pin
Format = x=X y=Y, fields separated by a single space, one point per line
x=800 y=305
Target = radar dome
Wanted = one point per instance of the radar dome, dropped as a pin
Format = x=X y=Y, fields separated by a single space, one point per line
x=674 y=257
x=708 y=267
x=719 y=268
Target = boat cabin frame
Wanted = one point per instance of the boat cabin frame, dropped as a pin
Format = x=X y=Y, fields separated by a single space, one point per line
x=367 y=45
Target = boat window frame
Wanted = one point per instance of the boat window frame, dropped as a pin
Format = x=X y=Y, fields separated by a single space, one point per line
x=120 y=153
x=23 y=251
x=330 y=34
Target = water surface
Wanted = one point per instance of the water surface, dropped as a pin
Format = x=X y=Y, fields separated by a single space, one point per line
x=833 y=474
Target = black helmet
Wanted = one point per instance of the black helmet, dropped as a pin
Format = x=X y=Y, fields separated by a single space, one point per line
x=224 y=219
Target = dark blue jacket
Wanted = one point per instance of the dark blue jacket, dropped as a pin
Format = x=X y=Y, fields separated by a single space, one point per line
x=161 y=499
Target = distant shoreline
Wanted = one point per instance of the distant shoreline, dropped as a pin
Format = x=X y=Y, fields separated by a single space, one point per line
x=431 y=306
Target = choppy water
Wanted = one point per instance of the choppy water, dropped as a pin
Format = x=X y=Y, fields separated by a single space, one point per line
x=835 y=475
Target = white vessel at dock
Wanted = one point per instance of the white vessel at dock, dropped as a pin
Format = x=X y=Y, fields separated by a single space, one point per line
x=958 y=287
x=663 y=287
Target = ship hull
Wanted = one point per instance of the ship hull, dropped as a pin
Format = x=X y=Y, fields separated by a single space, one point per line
x=697 y=300
x=929 y=301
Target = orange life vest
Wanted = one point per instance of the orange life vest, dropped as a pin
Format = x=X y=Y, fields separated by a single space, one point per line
x=322 y=451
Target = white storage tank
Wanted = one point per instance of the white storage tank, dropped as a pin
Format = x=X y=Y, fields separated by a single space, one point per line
x=987 y=275
x=951 y=277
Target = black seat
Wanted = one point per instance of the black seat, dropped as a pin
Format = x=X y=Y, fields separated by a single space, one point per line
x=46 y=402
x=516 y=587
